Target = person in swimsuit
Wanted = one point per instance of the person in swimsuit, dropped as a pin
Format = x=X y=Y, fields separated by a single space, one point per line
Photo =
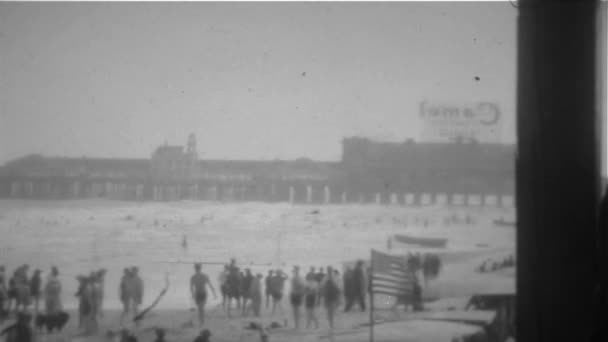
x=101 y=276
x=123 y=292
x=255 y=294
x=138 y=289
x=319 y=277
x=198 y=288
x=297 y=295
x=223 y=281
x=52 y=293
x=267 y=291
x=310 y=301
x=233 y=286
x=246 y=284
x=35 y=287
x=277 y=283
x=331 y=293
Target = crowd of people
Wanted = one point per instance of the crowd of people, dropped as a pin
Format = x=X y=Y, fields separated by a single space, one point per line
x=322 y=288
x=19 y=292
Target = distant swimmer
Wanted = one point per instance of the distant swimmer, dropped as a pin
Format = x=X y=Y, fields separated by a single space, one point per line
x=198 y=289
x=185 y=242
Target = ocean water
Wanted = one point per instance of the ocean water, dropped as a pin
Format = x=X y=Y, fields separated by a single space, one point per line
x=81 y=236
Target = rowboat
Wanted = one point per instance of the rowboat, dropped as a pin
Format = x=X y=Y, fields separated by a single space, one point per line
x=421 y=241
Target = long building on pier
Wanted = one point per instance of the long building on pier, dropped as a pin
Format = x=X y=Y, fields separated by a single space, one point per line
x=369 y=171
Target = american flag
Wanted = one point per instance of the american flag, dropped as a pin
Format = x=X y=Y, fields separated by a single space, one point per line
x=391 y=276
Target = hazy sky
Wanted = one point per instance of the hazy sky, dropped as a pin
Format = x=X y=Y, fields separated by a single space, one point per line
x=251 y=80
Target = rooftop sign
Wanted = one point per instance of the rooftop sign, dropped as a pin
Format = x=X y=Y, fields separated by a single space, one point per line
x=481 y=121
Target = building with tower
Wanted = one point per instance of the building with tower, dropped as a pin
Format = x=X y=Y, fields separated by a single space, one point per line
x=369 y=172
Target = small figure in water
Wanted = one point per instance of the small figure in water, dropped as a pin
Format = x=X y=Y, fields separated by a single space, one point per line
x=185 y=242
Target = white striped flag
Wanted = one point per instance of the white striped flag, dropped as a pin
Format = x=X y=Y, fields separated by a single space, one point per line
x=391 y=276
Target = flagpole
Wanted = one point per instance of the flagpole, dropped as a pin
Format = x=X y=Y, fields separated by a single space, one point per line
x=371 y=297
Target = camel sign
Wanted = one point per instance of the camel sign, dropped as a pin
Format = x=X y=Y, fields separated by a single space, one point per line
x=481 y=121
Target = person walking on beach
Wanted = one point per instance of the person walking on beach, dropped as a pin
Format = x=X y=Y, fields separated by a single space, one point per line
x=297 y=295
x=52 y=293
x=198 y=289
x=267 y=291
x=310 y=302
x=277 y=285
x=35 y=286
x=331 y=295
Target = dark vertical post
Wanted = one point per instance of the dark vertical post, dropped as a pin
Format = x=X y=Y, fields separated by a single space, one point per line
x=557 y=168
x=371 y=297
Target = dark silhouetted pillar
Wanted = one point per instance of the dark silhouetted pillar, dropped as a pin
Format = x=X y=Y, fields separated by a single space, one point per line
x=557 y=167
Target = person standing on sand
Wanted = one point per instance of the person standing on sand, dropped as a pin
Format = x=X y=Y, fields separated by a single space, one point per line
x=101 y=280
x=255 y=294
x=297 y=295
x=22 y=287
x=310 y=302
x=311 y=275
x=246 y=288
x=3 y=291
x=81 y=303
x=233 y=286
x=359 y=286
x=319 y=276
x=223 y=281
x=138 y=290
x=331 y=293
x=35 y=286
x=277 y=285
x=348 y=288
x=267 y=291
x=123 y=292
x=12 y=291
x=52 y=293
x=88 y=298
x=198 y=289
